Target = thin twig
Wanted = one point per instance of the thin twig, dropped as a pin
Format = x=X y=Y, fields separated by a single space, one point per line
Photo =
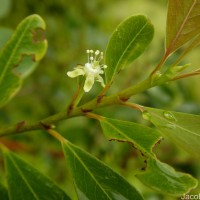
x=194 y=73
x=78 y=111
x=160 y=64
x=76 y=98
x=133 y=105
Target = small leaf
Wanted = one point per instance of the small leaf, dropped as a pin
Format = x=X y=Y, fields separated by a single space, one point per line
x=25 y=182
x=142 y=137
x=27 y=40
x=182 y=23
x=182 y=128
x=165 y=179
x=3 y=193
x=127 y=42
x=94 y=180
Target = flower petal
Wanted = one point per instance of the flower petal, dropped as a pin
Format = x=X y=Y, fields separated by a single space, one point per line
x=75 y=73
x=88 y=83
x=100 y=79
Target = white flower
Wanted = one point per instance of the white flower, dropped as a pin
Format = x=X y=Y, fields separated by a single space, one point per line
x=92 y=70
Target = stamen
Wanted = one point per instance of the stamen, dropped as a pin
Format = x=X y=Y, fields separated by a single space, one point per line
x=97 y=52
x=100 y=57
x=105 y=66
x=88 y=52
x=91 y=56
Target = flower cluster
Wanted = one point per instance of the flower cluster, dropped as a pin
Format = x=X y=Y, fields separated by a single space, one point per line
x=92 y=70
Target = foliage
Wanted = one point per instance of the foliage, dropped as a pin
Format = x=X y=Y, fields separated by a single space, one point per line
x=93 y=179
x=96 y=176
x=134 y=35
x=33 y=184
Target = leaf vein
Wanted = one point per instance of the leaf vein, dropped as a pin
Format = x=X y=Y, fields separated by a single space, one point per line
x=24 y=178
x=181 y=127
x=129 y=139
x=13 y=51
x=86 y=168
x=181 y=27
x=118 y=63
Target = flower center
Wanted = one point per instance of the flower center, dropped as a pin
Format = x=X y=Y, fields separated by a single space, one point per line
x=90 y=69
x=93 y=65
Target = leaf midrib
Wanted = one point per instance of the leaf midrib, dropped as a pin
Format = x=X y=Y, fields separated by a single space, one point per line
x=181 y=127
x=181 y=27
x=86 y=168
x=119 y=61
x=150 y=154
x=24 y=178
x=14 y=50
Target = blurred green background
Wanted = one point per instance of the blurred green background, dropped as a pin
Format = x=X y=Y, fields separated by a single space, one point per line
x=73 y=27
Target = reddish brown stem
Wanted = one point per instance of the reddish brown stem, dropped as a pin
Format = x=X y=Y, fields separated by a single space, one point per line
x=162 y=61
x=133 y=105
x=197 y=72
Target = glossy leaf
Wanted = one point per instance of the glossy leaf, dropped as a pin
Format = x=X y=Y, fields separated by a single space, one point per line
x=94 y=180
x=182 y=128
x=165 y=179
x=25 y=182
x=27 y=40
x=142 y=137
x=3 y=193
x=182 y=23
x=127 y=42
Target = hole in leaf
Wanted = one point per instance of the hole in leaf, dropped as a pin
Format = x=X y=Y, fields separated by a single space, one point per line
x=38 y=35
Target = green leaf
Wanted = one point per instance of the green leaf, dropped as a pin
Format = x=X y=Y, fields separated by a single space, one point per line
x=27 y=40
x=165 y=179
x=142 y=137
x=182 y=23
x=3 y=193
x=22 y=69
x=25 y=182
x=182 y=128
x=127 y=42
x=94 y=180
